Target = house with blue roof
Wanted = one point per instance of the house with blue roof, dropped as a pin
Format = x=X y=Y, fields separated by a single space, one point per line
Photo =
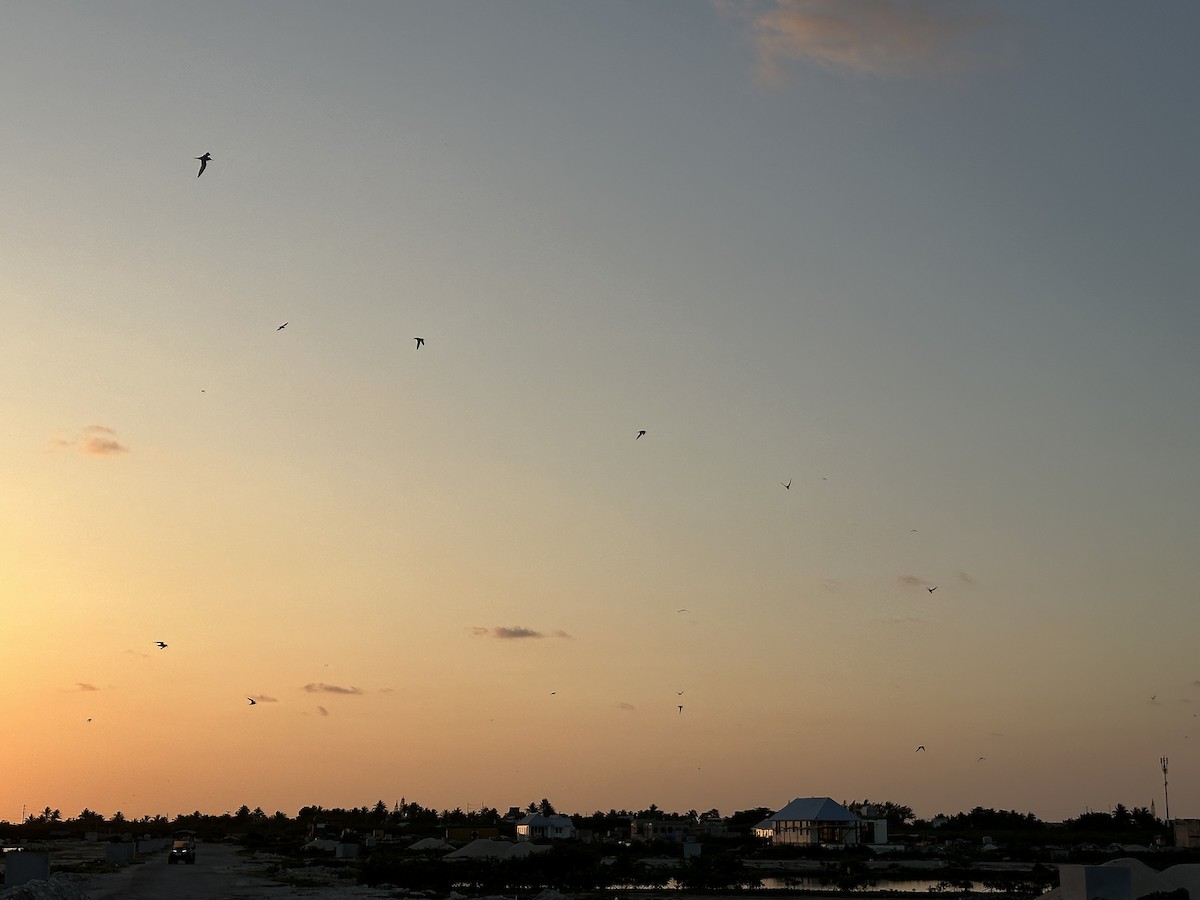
x=813 y=821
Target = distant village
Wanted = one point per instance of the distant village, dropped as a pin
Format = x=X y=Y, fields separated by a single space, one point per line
x=801 y=824
x=808 y=843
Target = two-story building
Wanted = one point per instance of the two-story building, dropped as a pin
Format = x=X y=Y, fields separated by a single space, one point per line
x=812 y=820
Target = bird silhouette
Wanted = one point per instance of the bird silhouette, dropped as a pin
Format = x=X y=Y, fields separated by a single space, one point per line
x=253 y=702
x=920 y=749
x=681 y=710
x=281 y=327
x=203 y=162
x=640 y=433
x=161 y=645
x=932 y=589
x=788 y=486
x=679 y=693
x=419 y=341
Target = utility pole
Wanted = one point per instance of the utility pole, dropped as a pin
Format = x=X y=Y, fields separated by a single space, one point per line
x=1166 y=800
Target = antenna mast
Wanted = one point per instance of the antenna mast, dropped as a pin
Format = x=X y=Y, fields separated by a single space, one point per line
x=1166 y=800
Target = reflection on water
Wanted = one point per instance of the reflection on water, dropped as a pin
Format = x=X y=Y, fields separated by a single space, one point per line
x=819 y=885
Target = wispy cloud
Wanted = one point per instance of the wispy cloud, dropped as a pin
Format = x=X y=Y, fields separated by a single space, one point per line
x=94 y=440
x=904 y=620
x=626 y=706
x=85 y=686
x=882 y=38
x=914 y=581
x=516 y=632
x=966 y=579
x=263 y=698
x=322 y=710
x=321 y=688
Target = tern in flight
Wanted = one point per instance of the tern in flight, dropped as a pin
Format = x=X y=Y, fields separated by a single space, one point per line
x=203 y=162
x=281 y=327
x=681 y=710
x=419 y=341
x=253 y=702
x=161 y=645
x=932 y=589
x=788 y=486
x=920 y=749
x=640 y=433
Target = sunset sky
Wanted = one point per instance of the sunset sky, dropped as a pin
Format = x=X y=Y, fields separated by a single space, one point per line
x=933 y=263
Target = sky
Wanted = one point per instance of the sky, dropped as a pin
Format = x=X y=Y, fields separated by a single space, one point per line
x=931 y=264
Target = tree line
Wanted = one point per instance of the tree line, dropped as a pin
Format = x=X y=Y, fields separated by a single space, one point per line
x=417 y=819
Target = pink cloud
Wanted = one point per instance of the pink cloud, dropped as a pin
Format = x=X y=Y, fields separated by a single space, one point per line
x=887 y=38
x=94 y=440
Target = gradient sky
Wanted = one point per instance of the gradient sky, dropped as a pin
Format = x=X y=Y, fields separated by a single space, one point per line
x=934 y=263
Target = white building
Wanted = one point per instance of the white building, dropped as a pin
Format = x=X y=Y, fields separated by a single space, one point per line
x=535 y=827
x=813 y=820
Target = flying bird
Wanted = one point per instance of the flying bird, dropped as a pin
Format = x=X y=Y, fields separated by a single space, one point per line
x=203 y=162
x=640 y=433
x=681 y=710
x=161 y=645
x=281 y=327
x=932 y=589
x=920 y=749
x=253 y=702
x=420 y=342
x=788 y=486
x=679 y=693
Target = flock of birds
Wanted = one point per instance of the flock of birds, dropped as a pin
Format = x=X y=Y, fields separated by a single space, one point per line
x=204 y=160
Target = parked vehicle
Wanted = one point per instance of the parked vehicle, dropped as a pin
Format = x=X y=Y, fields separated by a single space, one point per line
x=182 y=850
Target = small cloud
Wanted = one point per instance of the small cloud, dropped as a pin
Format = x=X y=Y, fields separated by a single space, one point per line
x=94 y=440
x=322 y=710
x=629 y=707
x=514 y=633
x=84 y=686
x=322 y=688
x=965 y=578
x=831 y=584
x=138 y=653
x=880 y=38
x=913 y=581
x=263 y=698
x=387 y=690
x=98 y=446
x=904 y=620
